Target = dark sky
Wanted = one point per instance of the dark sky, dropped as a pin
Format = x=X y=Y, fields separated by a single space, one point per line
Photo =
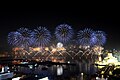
x=105 y=21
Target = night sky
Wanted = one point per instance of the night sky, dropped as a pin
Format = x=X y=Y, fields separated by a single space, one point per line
x=105 y=21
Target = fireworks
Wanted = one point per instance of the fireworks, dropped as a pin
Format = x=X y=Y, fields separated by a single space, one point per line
x=64 y=33
x=20 y=38
x=13 y=38
x=84 y=37
x=35 y=44
x=99 y=38
x=25 y=39
x=41 y=37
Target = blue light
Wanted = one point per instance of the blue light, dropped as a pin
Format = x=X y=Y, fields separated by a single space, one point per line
x=13 y=38
x=64 y=33
x=99 y=38
x=84 y=37
x=41 y=36
x=20 y=38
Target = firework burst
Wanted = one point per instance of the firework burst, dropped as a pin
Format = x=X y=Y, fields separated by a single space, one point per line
x=25 y=39
x=84 y=37
x=64 y=33
x=41 y=37
x=99 y=38
x=13 y=38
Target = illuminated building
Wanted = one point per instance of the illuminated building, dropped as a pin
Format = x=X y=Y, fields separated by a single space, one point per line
x=109 y=60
